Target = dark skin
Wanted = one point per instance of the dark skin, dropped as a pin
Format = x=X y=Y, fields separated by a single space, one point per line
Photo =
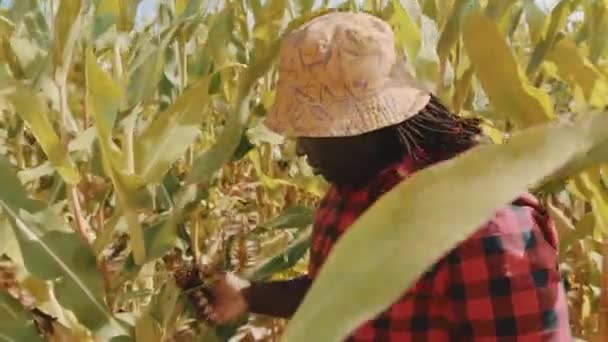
x=433 y=135
x=343 y=161
x=350 y=161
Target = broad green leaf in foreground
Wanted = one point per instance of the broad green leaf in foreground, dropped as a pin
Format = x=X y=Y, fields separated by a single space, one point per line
x=422 y=218
x=53 y=254
x=500 y=75
x=16 y=324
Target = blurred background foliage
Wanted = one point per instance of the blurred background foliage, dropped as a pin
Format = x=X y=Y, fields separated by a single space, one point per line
x=131 y=148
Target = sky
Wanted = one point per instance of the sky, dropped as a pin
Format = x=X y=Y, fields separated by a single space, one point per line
x=147 y=8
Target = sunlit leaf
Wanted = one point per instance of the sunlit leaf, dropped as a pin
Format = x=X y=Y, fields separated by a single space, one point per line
x=159 y=239
x=219 y=34
x=171 y=132
x=186 y=8
x=407 y=34
x=282 y=261
x=557 y=20
x=451 y=31
x=498 y=9
x=596 y=15
x=293 y=217
x=500 y=75
x=144 y=80
x=211 y=160
x=31 y=108
x=64 y=27
x=17 y=324
x=268 y=21
x=402 y=234
x=536 y=20
x=103 y=99
x=574 y=67
x=55 y=255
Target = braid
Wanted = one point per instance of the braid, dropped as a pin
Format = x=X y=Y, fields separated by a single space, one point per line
x=436 y=133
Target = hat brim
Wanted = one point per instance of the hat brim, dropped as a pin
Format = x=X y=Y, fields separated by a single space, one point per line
x=293 y=115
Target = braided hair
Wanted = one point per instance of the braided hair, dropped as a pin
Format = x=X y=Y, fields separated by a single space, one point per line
x=432 y=135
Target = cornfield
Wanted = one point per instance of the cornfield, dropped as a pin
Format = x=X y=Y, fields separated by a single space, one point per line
x=133 y=154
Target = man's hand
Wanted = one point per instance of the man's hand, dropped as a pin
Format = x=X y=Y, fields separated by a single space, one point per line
x=227 y=303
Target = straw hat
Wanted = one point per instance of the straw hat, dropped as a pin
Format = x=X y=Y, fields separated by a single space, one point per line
x=339 y=76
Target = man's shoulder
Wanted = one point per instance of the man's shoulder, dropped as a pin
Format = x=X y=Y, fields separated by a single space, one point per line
x=523 y=216
x=519 y=231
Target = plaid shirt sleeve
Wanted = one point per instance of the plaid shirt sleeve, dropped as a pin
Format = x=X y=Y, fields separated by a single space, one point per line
x=504 y=283
x=501 y=284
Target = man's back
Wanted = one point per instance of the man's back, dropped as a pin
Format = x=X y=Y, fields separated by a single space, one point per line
x=500 y=284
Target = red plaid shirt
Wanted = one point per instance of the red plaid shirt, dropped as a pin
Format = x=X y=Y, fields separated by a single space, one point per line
x=501 y=284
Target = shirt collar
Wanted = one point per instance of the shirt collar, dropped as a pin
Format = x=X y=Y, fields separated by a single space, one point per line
x=384 y=179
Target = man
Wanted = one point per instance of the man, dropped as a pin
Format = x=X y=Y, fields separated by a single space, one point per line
x=365 y=126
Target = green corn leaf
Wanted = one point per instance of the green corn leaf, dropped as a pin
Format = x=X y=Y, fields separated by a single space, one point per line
x=576 y=69
x=171 y=132
x=405 y=232
x=451 y=32
x=31 y=108
x=500 y=75
x=284 y=260
x=103 y=99
x=596 y=18
x=407 y=34
x=145 y=77
x=107 y=13
x=64 y=27
x=55 y=254
x=557 y=20
x=536 y=20
x=16 y=323
x=213 y=159
x=293 y=217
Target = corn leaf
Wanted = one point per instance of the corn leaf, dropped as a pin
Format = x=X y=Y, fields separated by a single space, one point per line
x=451 y=32
x=558 y=18
x=596 y=18
x=107 y=13
x=103 y=99
x=54 y=254
x=144 y=78
x=212 y=160
x=404 y=233
x=500 y=75
x=536 y=20
x=16 y=323
x=575 y=68
x=171 y=132
x=292 y=217
x=31 y=108
x=64 y=25
x=407 y=34
x=283 y=260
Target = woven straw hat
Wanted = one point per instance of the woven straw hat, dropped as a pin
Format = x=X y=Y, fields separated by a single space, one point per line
x=339 y=76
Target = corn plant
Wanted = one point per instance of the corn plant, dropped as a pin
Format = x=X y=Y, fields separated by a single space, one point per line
x=133 y=160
